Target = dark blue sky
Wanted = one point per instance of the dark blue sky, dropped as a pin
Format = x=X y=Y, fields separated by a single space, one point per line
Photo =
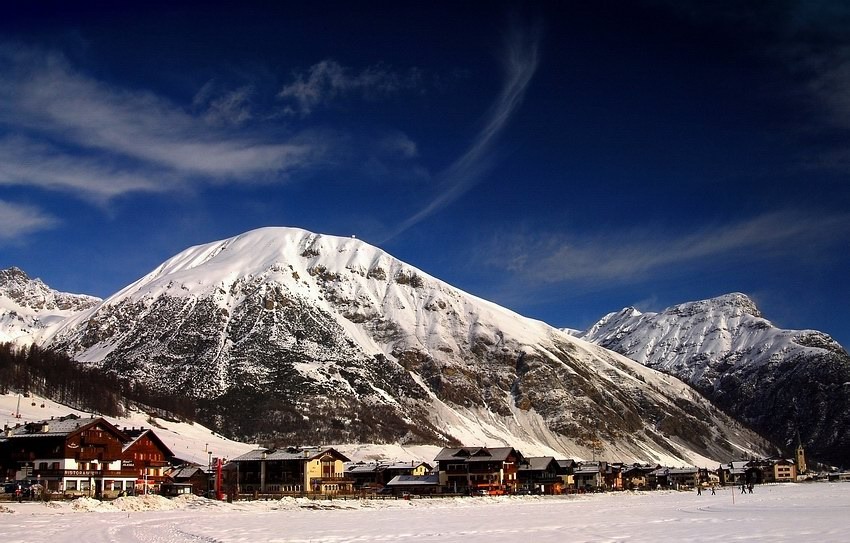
x=563 y=159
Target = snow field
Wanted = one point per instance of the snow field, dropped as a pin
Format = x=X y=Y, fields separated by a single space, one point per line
x=789 y=512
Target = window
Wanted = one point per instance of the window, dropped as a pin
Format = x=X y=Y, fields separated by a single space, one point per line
x=70 y=485
x=84 y=485
x=42 y=465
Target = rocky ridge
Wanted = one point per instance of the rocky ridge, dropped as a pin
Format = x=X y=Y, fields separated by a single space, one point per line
x=28 y=306
x=780 y=382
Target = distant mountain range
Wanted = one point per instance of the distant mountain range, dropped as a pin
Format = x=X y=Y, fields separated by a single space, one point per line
x=28 y=306
x=290 y=336
x=780 y=382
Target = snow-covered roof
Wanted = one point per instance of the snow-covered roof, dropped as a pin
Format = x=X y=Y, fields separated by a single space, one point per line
x=58 y=427
x=290 y=453
x=414 y=480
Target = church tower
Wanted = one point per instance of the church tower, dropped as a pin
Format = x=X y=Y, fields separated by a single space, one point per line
x=800 y=456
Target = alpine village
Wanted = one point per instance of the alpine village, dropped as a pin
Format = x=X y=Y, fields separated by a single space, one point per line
x=69 y=457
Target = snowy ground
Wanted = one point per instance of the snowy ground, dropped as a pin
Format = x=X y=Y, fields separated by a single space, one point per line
x=790 y=512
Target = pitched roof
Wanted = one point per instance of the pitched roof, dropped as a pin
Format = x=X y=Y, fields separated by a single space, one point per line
x=185 y=472
x=290 y=453
x=538 y=463
x=476 y=454
x=62 y=427
x=136 y=435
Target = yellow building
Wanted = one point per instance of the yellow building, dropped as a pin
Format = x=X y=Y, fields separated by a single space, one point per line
x=324 y=473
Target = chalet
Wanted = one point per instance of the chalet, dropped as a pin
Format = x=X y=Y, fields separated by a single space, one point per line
x=677 y=478
x=414 y=484
x=589 y=475
x=373 y=476
x=707 y=477
x=291 y=470
x=479 y=470
x=365 y=476
x=148 y=457
x=540 y=475
x=189 y=474
x=565 y=471
x=613 y=476
x=636 y=476
x=741 y=472
x=69 y=455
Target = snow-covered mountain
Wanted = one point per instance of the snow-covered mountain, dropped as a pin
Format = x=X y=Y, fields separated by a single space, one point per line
x=288 y=335
x=28 y=306
x=778 y=381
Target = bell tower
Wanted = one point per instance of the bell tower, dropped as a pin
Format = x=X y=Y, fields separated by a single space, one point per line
x=800 y=456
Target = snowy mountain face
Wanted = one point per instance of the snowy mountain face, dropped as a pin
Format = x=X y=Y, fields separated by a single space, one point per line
x=302 y=338
x=778 y=381
x=28 y=306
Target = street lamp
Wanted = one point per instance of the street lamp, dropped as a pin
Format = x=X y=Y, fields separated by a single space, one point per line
x=209 y=472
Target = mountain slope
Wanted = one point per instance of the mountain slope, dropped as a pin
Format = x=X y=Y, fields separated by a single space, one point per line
x=778 y=381
x=285 y=334
x=28 y=306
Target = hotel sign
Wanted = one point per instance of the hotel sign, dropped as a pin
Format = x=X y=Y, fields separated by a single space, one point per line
x=82 y=473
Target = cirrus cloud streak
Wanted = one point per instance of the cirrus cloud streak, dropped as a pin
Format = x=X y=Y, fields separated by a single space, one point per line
x=630 y=256
x=86 y=128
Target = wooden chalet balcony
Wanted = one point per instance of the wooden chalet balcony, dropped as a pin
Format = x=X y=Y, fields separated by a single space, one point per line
x=90 y=453
x=335 y=478
x=483 y=470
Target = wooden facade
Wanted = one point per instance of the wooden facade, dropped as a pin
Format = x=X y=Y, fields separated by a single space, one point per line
x=76 y=456
x=146 y=456
x=479 y=470
x=69 y=455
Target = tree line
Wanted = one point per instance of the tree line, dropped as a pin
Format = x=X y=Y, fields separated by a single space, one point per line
x=57 y=377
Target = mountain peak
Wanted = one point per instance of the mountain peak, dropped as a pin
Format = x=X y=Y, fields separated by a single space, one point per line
x=734 y=304
x=13 y=274
x=727 y=350
x=280 y=325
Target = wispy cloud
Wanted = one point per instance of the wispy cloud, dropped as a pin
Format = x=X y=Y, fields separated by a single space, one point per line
x=520 y=59
x=224 y=106
x=27 y=162
x=141 y=140
x=328 y=79
x=633 y=255
x=17 y=220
